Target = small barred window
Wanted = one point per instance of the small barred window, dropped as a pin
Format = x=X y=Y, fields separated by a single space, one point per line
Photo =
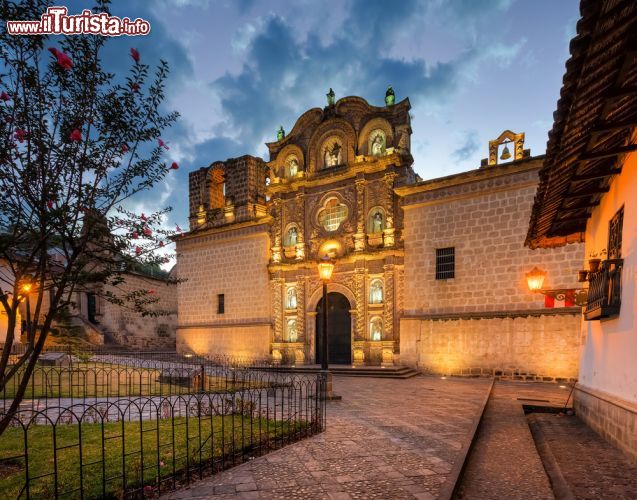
x=445 y=263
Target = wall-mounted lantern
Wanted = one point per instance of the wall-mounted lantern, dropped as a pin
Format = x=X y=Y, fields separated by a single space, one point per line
x=535 y=281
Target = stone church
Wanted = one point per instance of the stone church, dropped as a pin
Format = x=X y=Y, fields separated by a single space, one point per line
x=429 y=274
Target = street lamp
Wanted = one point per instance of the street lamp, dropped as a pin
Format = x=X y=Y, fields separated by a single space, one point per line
x=535 y=280
x=325 y=270
x=25 y=290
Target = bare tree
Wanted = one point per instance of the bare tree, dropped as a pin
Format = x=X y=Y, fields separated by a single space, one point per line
x=76 y=143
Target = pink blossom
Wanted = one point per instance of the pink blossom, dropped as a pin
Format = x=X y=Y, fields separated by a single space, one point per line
x=4 y=96
x=124 y=148
x=151 y=292
x=178 y=228
x=134 y=235
x=64 y=61
x=161 y=243
x=134 y=87
x=138 y=250
x=134 y=53
x=147 y=232
x=53 y=51
x=76 y=135
x=20 y=134
x=174 y=166
x=162 y=144
x=49 y=204
x=144 y=218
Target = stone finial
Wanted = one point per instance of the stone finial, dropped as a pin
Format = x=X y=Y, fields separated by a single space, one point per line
x=280 y=134
x=390 y=96
x=330 y=97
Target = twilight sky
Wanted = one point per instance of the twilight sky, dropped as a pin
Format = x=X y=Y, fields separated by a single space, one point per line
x=241 y=68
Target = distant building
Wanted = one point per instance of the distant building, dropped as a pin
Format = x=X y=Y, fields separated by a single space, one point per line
x=428 y=274
x=588 y=192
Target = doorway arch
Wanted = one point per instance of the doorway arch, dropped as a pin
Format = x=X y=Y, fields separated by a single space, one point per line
x=339 y=335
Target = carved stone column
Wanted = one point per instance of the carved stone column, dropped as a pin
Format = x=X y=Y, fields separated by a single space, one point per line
x=300 y=308
x=300 y=218
x=388 y=232
x=361 y=302
x=388 y=309
x=359 y=237
x=276 y=230
x=278 y=285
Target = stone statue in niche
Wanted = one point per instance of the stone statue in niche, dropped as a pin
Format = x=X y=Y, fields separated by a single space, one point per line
x=291 y=299
x=293 y=236
x=377 y=222
x=293 y=335
x=376 y=329
x=293 y=167
x=378 y=144
x=376 y=292
x=333 y=155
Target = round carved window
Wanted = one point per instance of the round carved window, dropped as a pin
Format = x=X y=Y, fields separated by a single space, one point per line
x=332 y=214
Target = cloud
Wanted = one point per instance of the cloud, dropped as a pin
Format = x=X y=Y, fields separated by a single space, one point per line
x=470 y=146
x=284 y=73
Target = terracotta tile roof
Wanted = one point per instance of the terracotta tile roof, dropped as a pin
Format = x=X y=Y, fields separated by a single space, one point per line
x=593 y=124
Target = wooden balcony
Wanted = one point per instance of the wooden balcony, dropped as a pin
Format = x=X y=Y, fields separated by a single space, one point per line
x=604 y=292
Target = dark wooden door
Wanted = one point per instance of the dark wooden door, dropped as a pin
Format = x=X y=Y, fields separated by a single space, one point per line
x=339 y=326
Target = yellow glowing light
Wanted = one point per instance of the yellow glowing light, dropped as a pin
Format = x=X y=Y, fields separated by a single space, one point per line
x=325 y=268
x=26 y=287
x=562 y=387
x=535 y=279
x=443 y=377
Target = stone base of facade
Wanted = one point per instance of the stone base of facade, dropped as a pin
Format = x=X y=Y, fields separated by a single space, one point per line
x=612 y=418
x=240 y=342
x=543 y=347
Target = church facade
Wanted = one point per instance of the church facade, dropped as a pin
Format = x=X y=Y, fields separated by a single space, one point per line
x=427 y=273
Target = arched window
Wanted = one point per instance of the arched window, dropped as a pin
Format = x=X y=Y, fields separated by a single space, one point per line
x=376 y=328
x=376 y=292
x=290 y=300
x=332 y=152
x=293 y=335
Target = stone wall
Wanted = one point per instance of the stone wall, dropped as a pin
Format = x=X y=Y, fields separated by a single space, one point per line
x=539 y=347
x=129 y=327
x=611 y=417
x=484 y=320
x=232 y=263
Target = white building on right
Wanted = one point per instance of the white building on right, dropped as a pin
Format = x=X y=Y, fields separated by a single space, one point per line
x=588 y=192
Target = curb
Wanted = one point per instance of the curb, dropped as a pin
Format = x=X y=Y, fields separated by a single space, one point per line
x=561 y=489
x=451 y=484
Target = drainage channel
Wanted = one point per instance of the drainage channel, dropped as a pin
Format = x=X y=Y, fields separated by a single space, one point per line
x=503 y=461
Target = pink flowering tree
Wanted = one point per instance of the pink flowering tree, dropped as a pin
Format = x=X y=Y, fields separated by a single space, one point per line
x=76 y=144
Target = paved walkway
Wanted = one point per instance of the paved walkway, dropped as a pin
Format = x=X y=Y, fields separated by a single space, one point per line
x=386 y=439
x=504 y=462
x=591 y=467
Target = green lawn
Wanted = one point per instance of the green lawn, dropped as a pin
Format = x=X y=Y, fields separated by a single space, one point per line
x=103 y=379
x=152 y=460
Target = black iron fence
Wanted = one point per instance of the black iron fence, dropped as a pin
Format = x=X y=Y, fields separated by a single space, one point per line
x=128 y=425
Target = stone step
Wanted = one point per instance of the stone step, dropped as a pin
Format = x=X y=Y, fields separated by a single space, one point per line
x=399 y=372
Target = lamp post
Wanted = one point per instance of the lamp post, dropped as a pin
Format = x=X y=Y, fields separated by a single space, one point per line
x=26 y=290
x=535 y=280
x=325 y=269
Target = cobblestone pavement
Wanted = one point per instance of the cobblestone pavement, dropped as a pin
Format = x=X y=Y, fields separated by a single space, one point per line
x=504 y=462
x=386 y=439
x=591 y=466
